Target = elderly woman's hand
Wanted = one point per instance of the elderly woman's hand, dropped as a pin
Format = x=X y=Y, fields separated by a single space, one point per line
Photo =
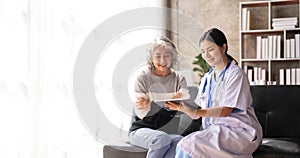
x=142 y=103
x=178 y=95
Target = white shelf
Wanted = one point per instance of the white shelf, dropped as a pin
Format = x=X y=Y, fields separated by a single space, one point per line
x=255 y=60
x=261 y=14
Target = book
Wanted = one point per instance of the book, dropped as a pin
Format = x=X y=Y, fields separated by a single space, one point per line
x=244 y=19
x=287 y=53
x=258 y=47
x=297 y=76
x=293 y=53
x=255 y=74
x=263 y=48
x=263 y=74
x=274 y=50
x=293 y=76
x=297 y=45
x=270 y=45
x=278 y=49
x=284 y=23
x=284 y=27
x=248 y=22
x=250 y=75
x=281 y=76
x=285 y=19
x=288 y=76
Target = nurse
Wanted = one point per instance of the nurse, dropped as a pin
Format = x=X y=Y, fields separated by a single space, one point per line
x=230 y=126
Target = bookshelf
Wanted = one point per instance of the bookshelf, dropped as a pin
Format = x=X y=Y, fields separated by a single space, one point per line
x=270 y=42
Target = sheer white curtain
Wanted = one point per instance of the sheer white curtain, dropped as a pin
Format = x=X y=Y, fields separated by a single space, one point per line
x=39 y=43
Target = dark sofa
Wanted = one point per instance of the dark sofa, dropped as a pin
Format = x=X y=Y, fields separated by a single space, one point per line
x=278 y=111
x=183 y=123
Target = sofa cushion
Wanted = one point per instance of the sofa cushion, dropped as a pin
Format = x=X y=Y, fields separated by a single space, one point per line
x=277 y=109
x=112 y=151
x=278 y=148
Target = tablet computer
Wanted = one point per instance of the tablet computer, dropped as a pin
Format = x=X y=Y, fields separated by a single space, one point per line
x=188 y=102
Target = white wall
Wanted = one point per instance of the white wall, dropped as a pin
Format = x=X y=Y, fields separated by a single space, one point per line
x=40 y=40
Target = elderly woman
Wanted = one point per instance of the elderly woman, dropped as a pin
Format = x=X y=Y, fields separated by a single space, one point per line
x=158 y=82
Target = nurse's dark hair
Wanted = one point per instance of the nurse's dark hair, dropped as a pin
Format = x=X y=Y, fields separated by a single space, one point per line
x=218 y=37
x=169 y=47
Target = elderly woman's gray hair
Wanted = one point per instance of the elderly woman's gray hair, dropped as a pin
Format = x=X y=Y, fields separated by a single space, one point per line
x=169 y=47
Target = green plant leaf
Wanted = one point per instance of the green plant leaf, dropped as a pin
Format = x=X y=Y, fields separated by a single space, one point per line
x=201 y=66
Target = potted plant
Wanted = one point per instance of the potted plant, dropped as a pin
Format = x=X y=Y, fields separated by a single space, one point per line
x=201 y=66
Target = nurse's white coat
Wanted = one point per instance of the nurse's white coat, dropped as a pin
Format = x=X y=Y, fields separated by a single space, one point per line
x=237 y=135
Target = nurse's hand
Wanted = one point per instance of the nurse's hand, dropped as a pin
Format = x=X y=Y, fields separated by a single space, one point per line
x=176 y=106
x=182 y=107
x=142 y=104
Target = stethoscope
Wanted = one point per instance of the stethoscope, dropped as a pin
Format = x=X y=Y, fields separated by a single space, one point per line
x=222 y=74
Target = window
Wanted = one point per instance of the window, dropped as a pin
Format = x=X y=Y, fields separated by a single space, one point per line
x=40 y=41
